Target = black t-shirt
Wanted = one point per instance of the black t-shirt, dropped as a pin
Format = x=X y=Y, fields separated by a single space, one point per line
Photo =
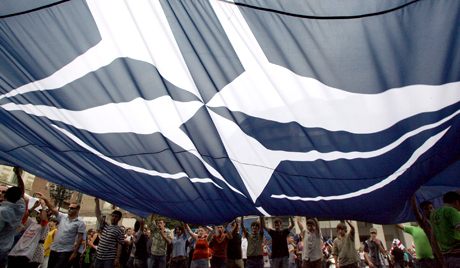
x=279 y=243
x=399 y=255
x=234 y=247
x=141 y=248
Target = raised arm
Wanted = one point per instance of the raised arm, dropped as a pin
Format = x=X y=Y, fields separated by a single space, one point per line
x=30 y=210
x=243 y=228
x=98 y=210
x=400 y=226
x=416 y=209
x=292 y=223
x=209 y=238
x=183 y=228
x=18 y=171
x=317 y=229
x=299 y=223
x=352 y=229
x=48 y=204
x=230 y=235
x=192 y=234
x=262 y=224
x=43 y=216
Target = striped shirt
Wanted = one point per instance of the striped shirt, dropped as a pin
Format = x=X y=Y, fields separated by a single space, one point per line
x=111 y=235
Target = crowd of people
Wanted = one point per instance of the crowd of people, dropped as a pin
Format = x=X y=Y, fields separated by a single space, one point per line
x=55 y=239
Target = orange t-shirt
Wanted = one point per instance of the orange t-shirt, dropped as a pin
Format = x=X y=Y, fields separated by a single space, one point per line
x=201 y=249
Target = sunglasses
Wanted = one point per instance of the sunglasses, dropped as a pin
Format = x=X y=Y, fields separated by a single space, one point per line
x=3 y=192
x=71 y=208
x=373 y=233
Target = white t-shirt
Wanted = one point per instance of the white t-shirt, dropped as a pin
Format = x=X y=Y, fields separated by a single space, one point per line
x=244 y=248
x=28 y=243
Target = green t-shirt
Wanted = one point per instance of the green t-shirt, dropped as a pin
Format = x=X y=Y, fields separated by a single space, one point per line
x=445 y=221
x=255 y=244
x=422 y=244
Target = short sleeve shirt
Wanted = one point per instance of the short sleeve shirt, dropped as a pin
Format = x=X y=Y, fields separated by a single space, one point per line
x=279 y=243
x=10 y=218
x=374 y=252
x=421 y=242
x=64 y=241
x=159 y=245
x=28 y=243
x=255 y=245
x=345 y=249
x=313 y=246
x=445 y=221
x=179 y=246
x=111 y=236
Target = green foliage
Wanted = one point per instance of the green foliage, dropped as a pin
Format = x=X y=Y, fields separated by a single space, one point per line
x=169 y=223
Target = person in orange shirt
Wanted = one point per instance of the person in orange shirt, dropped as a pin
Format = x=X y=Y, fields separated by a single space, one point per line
x=200 y=257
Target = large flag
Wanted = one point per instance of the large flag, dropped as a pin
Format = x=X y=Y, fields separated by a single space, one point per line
x=207 y=110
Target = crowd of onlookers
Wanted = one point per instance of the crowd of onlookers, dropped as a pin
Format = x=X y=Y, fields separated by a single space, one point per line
x=55 y=239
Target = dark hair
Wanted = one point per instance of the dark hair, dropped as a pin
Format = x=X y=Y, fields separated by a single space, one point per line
x=53 y=219
x=137 y=225
x=161 y=219
x=311 y=222
x=127 y=229
x=277 y=220
x=425 y=204
x=255 y=223
x=180 y=227
x=449 y=197
x=13 y=194
x=117 y=212
x=342 y=226
x=75 y=203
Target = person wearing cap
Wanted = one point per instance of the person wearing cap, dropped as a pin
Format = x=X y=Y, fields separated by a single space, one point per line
x=374 y=250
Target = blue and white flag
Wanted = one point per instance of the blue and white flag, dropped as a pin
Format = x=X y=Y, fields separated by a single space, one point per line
x=207 y=110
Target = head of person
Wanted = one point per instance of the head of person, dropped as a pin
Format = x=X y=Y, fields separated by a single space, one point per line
x=12 y=194
x=2 y=192
x=202 y=231
x=147 y=232
x=255 y=227
x=277 y=223
x=89 y=233
x=161 y=223
x=129 y=231
x=394 y=245
x=74 y=208
x=52 y=223
x=220 y=229
x=137 y=226
x=451 y=198
x=360 y=249
x=290 y=238
x=373 y=233
x=115 y=217
x=341 y=229
x=123 y=228
x=427 y=207
x=178 y=230
x=237 y=226
x=311 y=227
